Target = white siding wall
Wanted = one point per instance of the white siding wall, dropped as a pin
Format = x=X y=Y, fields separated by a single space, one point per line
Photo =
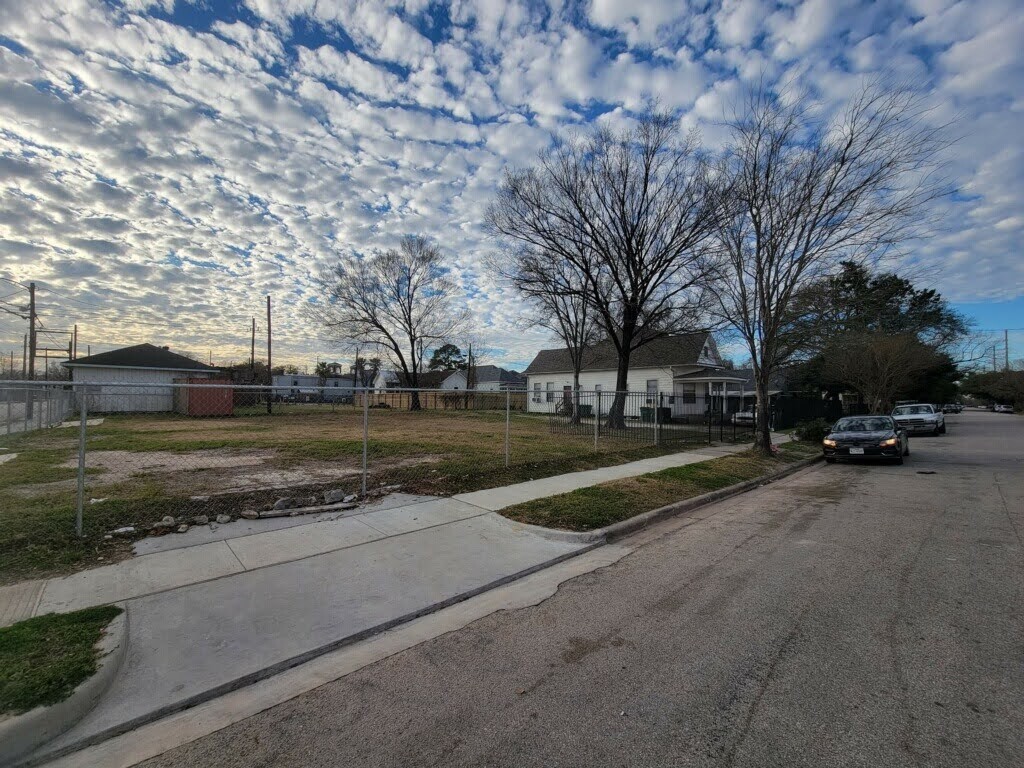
x=137 y=399
x=456 y=380
x=589 y=380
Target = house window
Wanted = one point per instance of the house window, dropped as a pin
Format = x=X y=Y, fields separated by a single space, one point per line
x=550 y=391
x=652 y=390
x=536 y=392
x=689 y=393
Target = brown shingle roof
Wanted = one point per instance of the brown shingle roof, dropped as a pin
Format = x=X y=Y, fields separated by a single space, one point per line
x=671 y=350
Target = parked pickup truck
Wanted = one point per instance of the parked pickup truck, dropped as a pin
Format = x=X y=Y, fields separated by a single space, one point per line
x=920 y=419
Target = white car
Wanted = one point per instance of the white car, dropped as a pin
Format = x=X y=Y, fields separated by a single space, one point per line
x=1004 y=409
x=920 y=419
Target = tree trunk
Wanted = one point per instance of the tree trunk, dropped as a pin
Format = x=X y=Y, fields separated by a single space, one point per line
x=762 y=429
x=414 y=399
x=617 y=413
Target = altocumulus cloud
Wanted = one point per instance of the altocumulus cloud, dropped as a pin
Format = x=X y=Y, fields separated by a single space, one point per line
x=164 y=164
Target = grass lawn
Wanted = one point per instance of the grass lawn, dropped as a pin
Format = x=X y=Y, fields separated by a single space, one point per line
x=141 y=467
x=42 y=660
x=597 y=506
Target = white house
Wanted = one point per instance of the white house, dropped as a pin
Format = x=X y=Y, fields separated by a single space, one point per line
x=684 y=373
x=489 y=378
x=391 y=379
x=142 y=366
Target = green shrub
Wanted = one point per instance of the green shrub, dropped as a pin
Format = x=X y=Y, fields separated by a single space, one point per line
x=812 y=431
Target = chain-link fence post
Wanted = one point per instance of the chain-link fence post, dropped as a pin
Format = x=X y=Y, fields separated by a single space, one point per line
x=83 y=415
x=597 y=417
x=508 y=427
x=8 y=411
x=366 y=432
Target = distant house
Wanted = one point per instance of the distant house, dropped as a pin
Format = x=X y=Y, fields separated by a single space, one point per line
x=302 y=387
x=392 y=379
x=683 y=372
x=776 y=386
x=489 y=378
x=142 y=366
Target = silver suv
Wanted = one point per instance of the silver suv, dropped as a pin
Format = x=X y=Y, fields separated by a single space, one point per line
x=920 y=419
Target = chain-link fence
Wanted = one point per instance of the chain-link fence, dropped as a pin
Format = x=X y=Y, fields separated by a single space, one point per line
x=123 y=461
x=25 y=406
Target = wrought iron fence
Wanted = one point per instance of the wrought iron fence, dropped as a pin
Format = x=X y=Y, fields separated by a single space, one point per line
x=609 y=418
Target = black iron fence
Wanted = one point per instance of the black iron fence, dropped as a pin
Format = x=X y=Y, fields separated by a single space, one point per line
x=645 y=417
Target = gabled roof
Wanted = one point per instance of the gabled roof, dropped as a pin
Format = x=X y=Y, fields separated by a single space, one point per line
x=141 y=356
x=683 y=349
x=717 y=374
x=494 y=373
x=777 y=383
x=427 y=379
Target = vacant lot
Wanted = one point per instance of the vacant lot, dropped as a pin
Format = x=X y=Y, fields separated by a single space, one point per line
x=140 y=468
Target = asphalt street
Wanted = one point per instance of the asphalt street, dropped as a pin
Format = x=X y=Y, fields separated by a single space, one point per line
x=849 y=615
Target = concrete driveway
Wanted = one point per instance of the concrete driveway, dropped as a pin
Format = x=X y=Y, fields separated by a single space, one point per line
x=846 y=616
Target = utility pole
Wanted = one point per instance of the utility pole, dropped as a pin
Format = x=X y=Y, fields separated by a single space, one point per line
x=74 y=348
x=29 y=404
x=31 y=330
x=24 y=356
x=1006 y=347
x=252 y=354
x=270 y=361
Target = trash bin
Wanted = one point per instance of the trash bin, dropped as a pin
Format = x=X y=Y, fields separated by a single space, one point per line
x=647 y=415
x=586 y=411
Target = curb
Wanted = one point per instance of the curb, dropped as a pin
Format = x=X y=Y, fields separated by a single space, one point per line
x=22 y=734
x=622 y=528
x=43 y=756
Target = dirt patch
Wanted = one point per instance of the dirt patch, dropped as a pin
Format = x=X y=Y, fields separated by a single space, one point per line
x=118 y=466
x=217 y=472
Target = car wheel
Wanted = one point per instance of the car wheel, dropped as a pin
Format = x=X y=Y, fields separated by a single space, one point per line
x=829 y=460
x=899 y=460
x=943 y=429
x=936 y=433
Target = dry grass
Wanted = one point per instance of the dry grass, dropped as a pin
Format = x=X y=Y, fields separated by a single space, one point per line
x=597 y=506
x=143 y=467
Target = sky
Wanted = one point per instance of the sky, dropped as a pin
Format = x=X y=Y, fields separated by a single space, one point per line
x=165 y=164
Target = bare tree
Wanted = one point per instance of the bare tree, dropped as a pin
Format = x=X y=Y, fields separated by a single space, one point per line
x=804 y=193
x=400 y=301
x=633 y=214
x=556 y=290
x=879 y=365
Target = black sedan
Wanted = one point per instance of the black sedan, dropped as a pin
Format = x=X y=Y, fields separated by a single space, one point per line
x=866 y=437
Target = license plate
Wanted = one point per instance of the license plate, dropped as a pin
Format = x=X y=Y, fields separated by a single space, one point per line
x=856 y=451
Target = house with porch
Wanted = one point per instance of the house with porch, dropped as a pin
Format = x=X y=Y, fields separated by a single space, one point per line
x=684 y=375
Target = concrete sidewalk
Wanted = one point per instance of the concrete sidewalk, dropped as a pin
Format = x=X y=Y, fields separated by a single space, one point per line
x=210 y=618
x=194 y=643
x=207 y=553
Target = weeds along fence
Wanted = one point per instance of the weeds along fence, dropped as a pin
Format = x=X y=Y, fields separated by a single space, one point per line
x=121 y=462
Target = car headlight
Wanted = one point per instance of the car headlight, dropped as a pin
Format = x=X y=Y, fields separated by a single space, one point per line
x=890 y=442
x=829 y=443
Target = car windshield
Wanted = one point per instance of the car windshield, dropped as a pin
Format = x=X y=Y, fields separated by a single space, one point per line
x=863 y=424
x=909 y=410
